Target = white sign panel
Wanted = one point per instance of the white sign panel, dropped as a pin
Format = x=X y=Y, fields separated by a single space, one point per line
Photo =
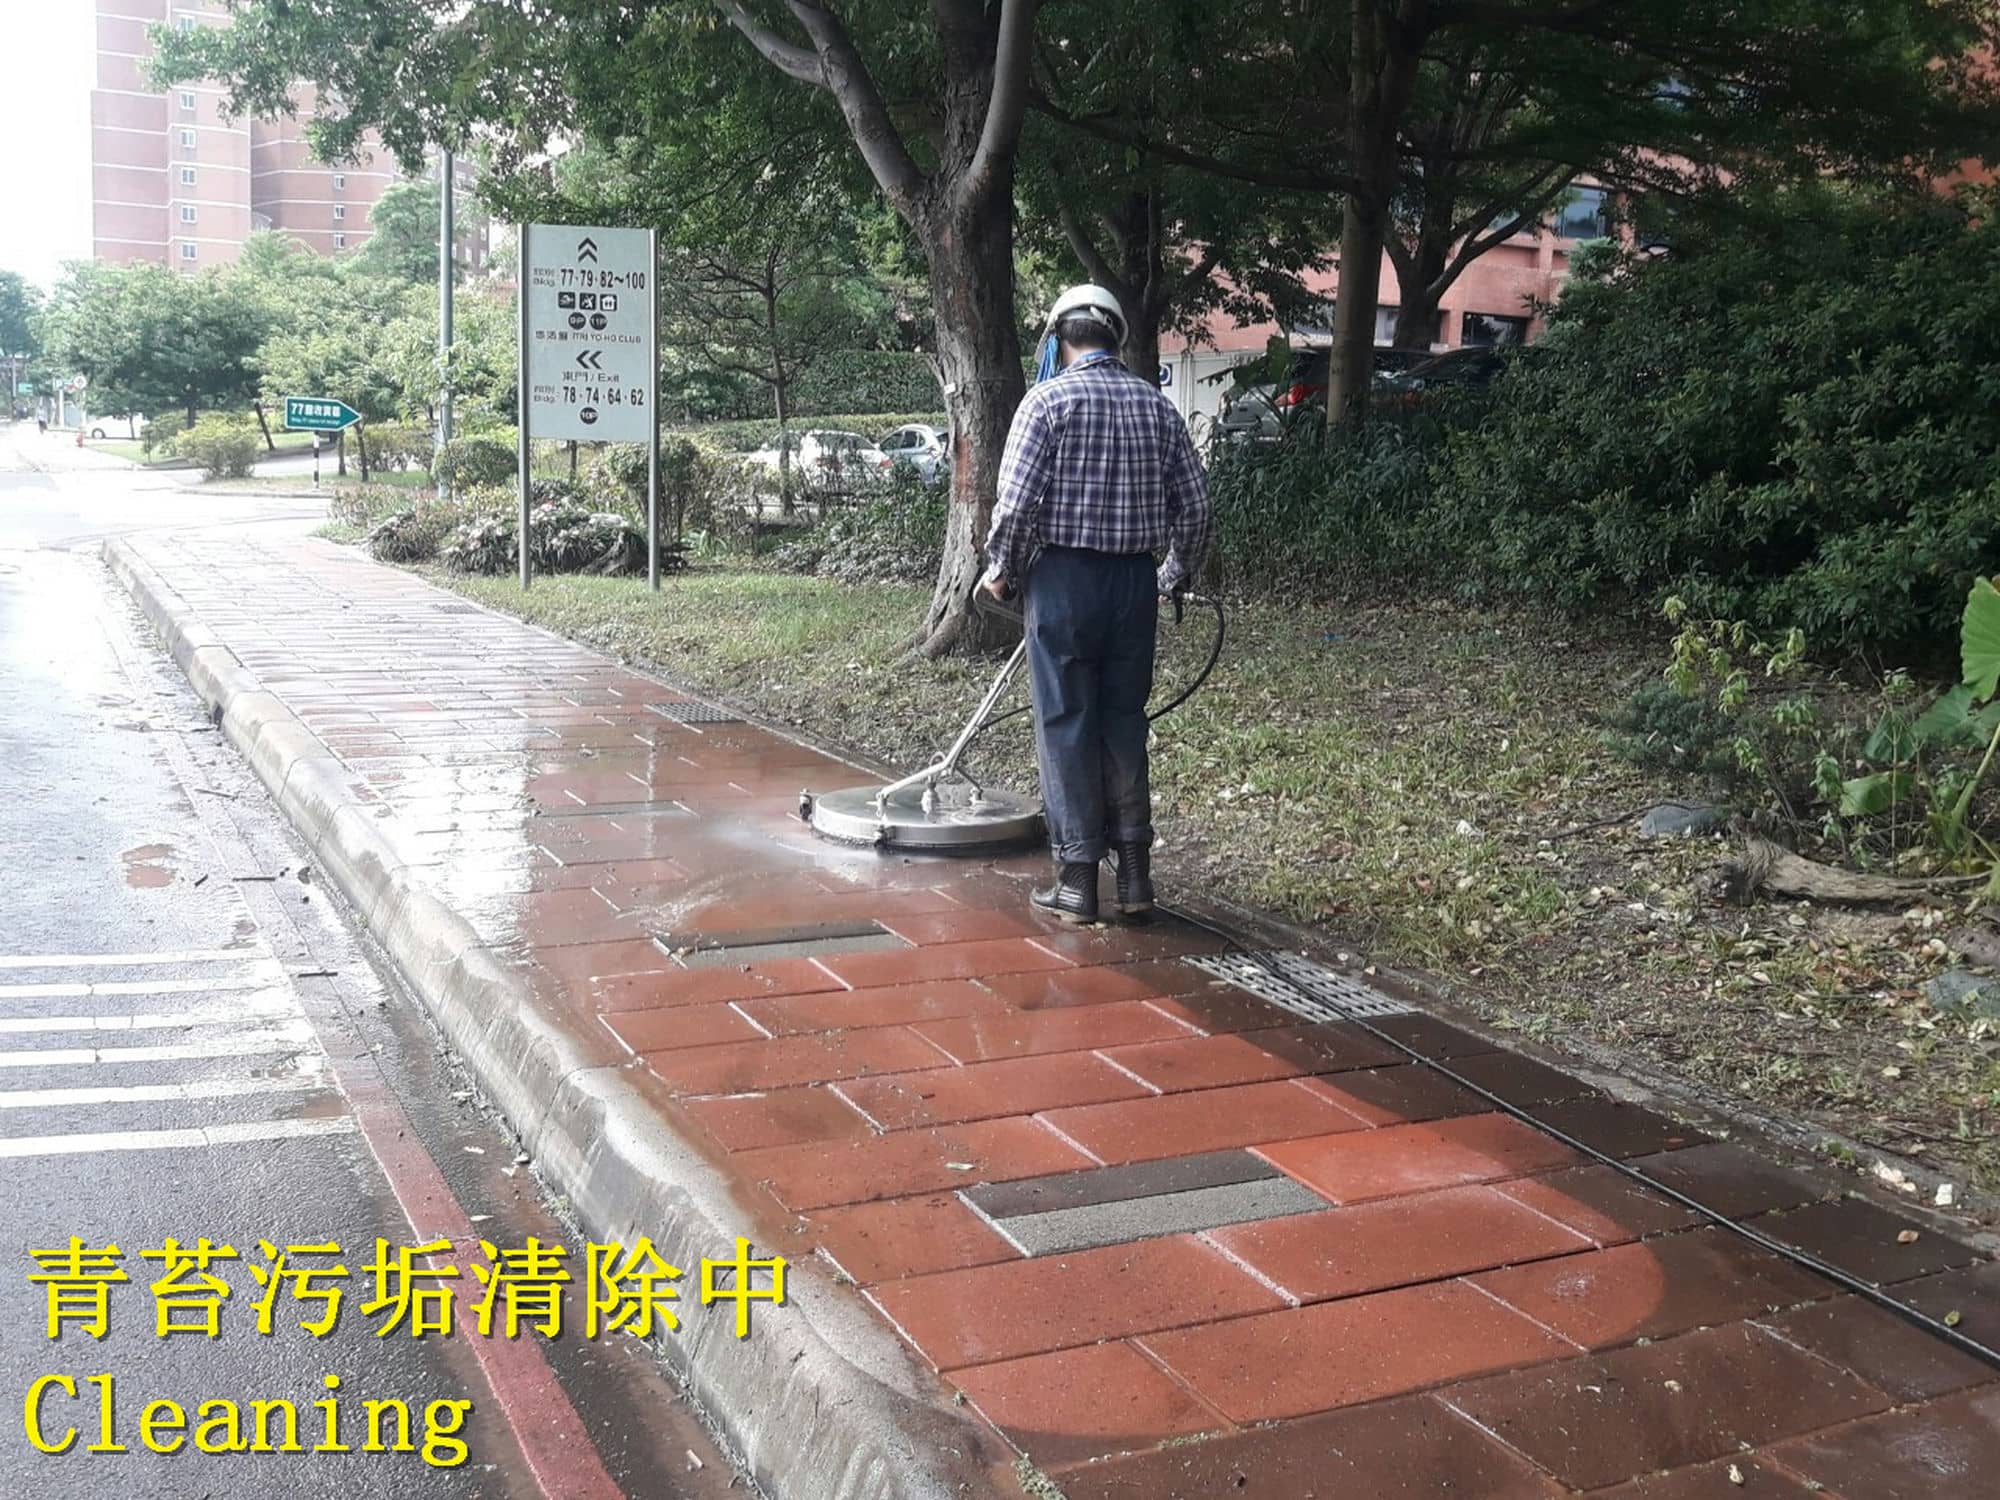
x=589 y=333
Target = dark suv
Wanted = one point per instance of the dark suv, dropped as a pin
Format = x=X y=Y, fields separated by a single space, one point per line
x=1305 y=384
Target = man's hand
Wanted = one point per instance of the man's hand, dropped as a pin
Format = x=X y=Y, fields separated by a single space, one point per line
x=997 y=587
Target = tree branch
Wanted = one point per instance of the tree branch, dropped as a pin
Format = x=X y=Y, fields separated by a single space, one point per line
x=1280 y=178
x=1007 y=101
x=844 y=74
x=797 y=62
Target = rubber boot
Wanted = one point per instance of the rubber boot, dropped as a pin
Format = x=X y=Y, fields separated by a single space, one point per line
x=1073 y=897
x=1135 y=882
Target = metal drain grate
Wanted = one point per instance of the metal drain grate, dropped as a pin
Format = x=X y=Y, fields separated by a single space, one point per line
x=1299 y=985
x=457 y=609
x=695 y=713
x=716 y=950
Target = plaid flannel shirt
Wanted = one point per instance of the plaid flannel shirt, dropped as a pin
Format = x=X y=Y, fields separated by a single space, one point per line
x=1099 y=458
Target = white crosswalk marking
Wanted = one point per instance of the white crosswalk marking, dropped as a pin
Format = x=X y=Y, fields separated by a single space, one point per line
x=266 y=975
x=311 y=1074
x=127 y=960
x=226 y=1004
x=262 y=1008
x=160 y=1140
x=241 y=1044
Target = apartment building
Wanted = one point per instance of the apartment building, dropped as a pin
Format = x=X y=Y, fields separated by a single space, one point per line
x=1492 y=303
x=174 y=181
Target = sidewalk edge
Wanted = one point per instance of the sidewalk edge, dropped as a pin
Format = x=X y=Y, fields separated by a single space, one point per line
x=823 y=1402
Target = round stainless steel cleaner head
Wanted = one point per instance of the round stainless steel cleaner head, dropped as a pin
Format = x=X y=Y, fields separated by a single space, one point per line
x=959 y=821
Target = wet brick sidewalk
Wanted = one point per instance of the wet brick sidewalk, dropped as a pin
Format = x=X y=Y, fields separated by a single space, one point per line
x=1167 y=1239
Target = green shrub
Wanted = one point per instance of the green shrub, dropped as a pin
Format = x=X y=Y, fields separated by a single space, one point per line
x=1791 y=424
x=222 y=447
x=865 y=380
x=363 y=505
x=414 y=533
x=894 y=537
x=1325 y=509
x=397 y=446
x=482 y=545
x=748 y=436
x=472 y=461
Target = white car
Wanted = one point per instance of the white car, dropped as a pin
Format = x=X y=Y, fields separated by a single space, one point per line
x=920 y=446
x=826 y=457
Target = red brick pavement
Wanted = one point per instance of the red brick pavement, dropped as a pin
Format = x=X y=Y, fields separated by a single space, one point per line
x=1475 y=1310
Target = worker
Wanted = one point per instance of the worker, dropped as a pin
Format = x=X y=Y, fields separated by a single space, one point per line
x=1099 y=475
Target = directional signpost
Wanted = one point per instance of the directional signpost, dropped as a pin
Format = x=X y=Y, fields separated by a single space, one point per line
x=589 y=352
x=317 y=414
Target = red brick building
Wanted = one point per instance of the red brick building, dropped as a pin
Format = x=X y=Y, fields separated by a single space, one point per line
x=1491 y=303
x=173 y=181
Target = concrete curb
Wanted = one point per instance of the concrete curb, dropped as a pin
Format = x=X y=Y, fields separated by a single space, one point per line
x=823 y=1402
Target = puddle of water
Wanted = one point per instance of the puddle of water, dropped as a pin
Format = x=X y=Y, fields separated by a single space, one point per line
x=148 y=867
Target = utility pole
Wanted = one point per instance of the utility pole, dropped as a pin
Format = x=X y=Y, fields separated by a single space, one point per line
x=446 y=268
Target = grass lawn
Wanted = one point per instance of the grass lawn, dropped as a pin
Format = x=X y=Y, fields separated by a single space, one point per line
x=1409 y=779
x=130 y=449
x=301 y=484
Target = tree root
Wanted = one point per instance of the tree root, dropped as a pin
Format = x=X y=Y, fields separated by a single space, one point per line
x=1764 y=867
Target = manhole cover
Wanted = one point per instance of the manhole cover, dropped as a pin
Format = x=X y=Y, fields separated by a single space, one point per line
x=1073 y=1211
x=1299 y=985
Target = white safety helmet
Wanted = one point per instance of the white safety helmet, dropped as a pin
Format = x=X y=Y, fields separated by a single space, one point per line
x=1088 y=301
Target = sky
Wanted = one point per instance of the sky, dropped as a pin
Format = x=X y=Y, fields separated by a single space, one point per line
x=45 y=78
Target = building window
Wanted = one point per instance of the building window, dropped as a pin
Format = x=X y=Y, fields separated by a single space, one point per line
x=187 y=250
x=1387 y=319
x=340 y=242
x=187 y=176
x=187 y=100
x=187 y=140
x=1584 y=215
x=187 y=213
x=1484 y=330
x=340 y=182
x=184 y=23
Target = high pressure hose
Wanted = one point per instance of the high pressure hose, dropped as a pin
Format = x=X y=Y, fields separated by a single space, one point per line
x=1154 y=716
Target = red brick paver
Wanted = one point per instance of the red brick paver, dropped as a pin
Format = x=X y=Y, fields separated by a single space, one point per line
x=1475 y=1310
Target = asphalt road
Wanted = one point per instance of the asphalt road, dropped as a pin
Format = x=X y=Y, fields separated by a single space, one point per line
x=194 y=1044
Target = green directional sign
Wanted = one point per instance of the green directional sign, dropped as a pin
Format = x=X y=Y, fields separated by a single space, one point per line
x=318 y=414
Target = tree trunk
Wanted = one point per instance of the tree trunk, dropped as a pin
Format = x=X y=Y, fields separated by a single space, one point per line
x=1142 y=344
x=361 y=444
x=780 y=399
x=1379 y=77
x=264 y=426
x=979 y=356
x=1353 y=358
x=190 y=413
x=340 y=454
x=1418 y=313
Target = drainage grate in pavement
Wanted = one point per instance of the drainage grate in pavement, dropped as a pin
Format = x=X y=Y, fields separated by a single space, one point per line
x=1116 y=1205
x=456 y=609
x=750 y=945
x=618 y=810
x=695 y=713
x=1299 y=985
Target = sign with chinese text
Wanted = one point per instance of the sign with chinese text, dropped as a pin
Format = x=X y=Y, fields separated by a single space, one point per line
x=588 y=331
x=318 y=414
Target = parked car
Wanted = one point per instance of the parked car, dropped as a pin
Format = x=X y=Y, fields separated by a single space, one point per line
x=1467 y=369
x=1305 y=384
x=828 y=457
x=918 y=446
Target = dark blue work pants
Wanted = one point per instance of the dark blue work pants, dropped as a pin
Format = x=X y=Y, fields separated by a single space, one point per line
x=1092 y=618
